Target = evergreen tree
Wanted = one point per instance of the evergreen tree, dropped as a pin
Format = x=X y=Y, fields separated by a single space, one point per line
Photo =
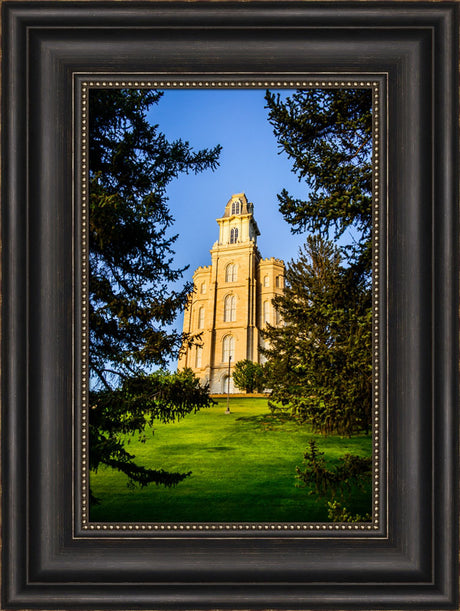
x=249 y=376
x=327 y=134
x=131 y=303
x=350 y=471
x=319 y=360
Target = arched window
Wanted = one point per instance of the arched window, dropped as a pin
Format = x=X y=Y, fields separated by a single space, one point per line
x=234 y=235
x=278 y=318
x=262 y=357
x=201 y=318
x=203 y=288
x=227 y=384
x=279 y=282
x=228 y=348
x=198 y=356
x=230 y=273
x=230 y=308
x=266 y=281
x=266 y=312
x=236 y=207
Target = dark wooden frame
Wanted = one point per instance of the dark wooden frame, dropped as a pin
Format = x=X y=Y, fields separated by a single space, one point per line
x=46 y=563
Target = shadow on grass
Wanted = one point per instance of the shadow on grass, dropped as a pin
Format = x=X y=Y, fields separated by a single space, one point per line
x=268 y=421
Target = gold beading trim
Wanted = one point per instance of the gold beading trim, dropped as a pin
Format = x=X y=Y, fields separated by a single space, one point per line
x=331 y=81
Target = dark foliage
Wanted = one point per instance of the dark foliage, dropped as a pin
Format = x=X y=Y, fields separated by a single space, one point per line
x=339 y=513
x=327 y=133
x=131 y=409
x=131 y=303
x=319 y=360
x=249 y=376
x=131 y=254
x=326 y=482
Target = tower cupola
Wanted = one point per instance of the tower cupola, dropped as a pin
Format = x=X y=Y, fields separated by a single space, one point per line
x=237 y=225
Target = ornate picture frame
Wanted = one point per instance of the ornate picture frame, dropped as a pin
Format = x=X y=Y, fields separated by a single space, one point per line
x=54 y=557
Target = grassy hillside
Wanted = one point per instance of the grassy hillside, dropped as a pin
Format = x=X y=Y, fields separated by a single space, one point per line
x=243 y=469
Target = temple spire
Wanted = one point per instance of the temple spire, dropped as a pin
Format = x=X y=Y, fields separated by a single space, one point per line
x=237 y=225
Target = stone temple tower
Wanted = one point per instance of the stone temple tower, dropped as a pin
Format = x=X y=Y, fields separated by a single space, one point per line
x=232 y=300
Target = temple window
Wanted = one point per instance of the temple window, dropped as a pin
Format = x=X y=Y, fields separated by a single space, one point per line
x=198 y=356
x=236 y=207
x=278 y=318
x=230 y=308
x=201 y=318
x=228 y=348
x=266 y=312
x=230 y=273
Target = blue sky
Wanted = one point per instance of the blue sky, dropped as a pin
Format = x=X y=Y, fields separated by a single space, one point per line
x=249 y=163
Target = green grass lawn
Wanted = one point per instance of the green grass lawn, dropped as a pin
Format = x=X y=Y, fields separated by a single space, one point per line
x=243 y=469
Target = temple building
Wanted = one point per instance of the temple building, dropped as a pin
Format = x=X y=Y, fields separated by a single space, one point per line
x=232 y=300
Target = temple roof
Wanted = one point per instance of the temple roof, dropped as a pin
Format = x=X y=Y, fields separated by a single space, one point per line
x=232 y=208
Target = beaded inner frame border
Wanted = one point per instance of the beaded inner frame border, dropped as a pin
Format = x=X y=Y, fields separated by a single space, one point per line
x=82 y=86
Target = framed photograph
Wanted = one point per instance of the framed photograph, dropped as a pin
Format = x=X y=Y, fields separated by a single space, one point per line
x=230 y=433
x=230 y=305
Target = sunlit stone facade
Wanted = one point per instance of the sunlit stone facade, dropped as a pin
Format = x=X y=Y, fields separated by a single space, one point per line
x=232 y=301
